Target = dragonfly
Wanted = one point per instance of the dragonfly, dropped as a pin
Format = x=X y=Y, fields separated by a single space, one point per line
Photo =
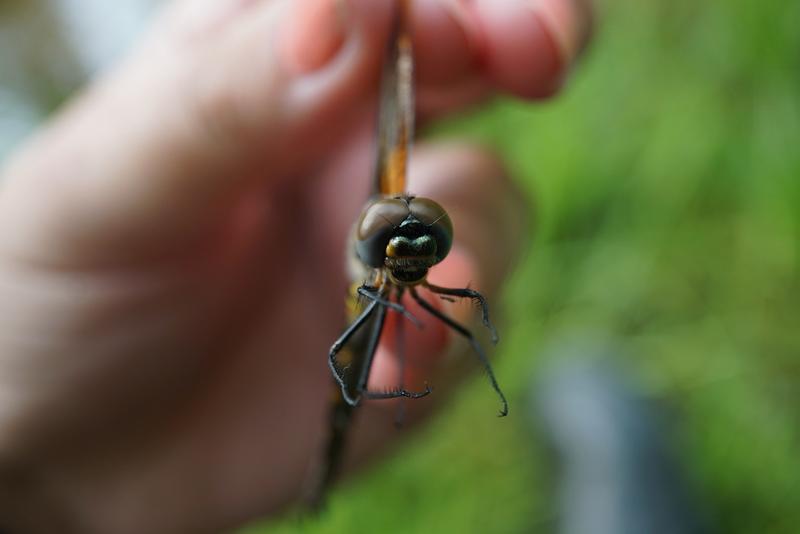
x=396 y=240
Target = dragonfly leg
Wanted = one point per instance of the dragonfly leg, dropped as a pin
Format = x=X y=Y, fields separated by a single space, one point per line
x=339 y=343
x=472 y=341
x=373 y=294
x=446 y=293
x=400 y=413
x=397 y=393
x=372 y=347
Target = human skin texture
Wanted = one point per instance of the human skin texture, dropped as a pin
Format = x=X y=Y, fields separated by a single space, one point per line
x=172 y=253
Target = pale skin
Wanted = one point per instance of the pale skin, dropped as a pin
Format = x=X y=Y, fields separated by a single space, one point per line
x=171 y=253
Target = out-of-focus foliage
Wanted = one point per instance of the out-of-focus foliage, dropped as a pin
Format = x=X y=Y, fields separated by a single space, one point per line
x=667 y=186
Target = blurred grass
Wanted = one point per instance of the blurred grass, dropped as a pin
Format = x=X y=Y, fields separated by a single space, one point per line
x=667 y=185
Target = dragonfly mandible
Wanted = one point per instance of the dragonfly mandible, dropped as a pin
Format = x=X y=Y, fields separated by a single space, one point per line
x=394 y=243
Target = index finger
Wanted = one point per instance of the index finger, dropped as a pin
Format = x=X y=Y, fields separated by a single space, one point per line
x=469 y=49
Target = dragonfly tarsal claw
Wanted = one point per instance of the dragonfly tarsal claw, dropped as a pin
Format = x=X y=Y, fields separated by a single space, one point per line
x=504 y=410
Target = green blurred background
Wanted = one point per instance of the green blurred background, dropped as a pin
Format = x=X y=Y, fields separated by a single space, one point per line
x=667 y=186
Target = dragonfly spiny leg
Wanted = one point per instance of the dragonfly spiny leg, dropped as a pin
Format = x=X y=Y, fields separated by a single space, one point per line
x=476 y=297
x=400 y=412
x=339 y=343
x=372 y=347
x=397 y=393
x=472 y=341
x=373 y=294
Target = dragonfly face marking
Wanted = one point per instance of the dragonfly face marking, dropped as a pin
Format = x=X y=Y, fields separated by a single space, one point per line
x=404 y=235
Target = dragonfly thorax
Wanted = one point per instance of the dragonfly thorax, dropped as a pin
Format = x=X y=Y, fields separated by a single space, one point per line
x=404 y=235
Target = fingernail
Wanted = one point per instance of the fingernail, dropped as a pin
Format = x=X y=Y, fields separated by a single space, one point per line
x=314 y=35
x=567 y=23
x=464 y=15
x=560 y=42
x=525 y=56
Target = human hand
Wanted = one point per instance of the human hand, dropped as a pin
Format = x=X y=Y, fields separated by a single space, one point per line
x=172 y=252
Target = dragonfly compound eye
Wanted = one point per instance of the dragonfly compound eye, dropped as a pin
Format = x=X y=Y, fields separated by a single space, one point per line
x=378 y=223
x=406 y=234
x=437 y=224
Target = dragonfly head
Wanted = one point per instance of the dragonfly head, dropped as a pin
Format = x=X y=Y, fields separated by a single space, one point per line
x=405 y=235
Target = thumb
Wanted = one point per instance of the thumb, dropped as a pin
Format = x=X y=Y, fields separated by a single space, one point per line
x=213 y=103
